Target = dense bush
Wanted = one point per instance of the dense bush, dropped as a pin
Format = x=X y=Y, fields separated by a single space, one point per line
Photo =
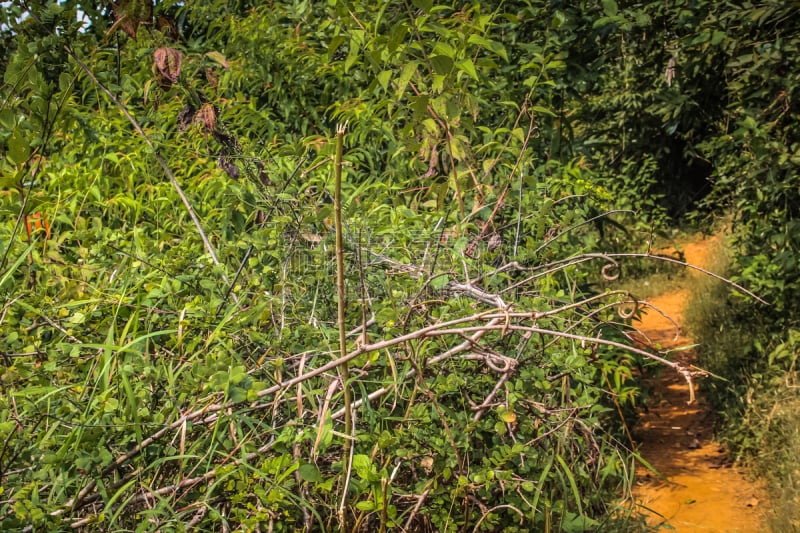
x=170 y=342
x=170 y=311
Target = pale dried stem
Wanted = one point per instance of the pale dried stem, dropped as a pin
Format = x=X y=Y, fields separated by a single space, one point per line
x=495 y=321
x=500 y=320
x=415 y=511
x=496 y=507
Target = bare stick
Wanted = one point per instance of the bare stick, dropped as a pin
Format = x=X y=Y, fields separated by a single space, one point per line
x=554 y=266
x=344 y=370
x=420 y=500
x=660 y=257
x=474 y=327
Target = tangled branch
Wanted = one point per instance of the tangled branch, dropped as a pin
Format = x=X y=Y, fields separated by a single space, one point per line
x=501 y=320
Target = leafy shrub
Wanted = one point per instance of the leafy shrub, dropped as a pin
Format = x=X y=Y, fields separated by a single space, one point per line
x=171 y=348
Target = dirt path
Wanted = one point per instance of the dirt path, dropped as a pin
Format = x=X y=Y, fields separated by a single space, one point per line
x=702 y=491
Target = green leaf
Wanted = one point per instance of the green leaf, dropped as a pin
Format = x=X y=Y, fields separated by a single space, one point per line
x=682 y=348
x=362 y=465
x=424 y=5
x=572 y=483
x=8 y=119
x=365 y=505
x=440 y=282
x=7 y=427
x=8 y=181
x=444 y=49
x=610 y=7
x=468 y=66
x=603 y=21
x=383 y=79
x=405 y=77
x=237 y=374
x=111 y=405
x=356 y=40
x=442 y=64
x=458 y=149
x=65 y=82
x=578 y=523
x=487 y=44
x=309 y=472
x=18 y=147
x=77 y=318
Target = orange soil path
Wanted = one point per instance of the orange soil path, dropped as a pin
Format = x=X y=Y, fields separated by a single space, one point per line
x=702 y=491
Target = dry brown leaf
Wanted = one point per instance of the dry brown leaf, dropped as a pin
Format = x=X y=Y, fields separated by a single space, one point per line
x=230 y=168
x=168 y=62
x=212 y=79
x=129 y=14
x=207 y=118
x=186 y=117
x=167 y=26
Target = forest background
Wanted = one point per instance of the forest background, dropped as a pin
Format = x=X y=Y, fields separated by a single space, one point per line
x=171 y=352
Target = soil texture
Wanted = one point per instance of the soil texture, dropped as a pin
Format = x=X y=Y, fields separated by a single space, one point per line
x=698 y=489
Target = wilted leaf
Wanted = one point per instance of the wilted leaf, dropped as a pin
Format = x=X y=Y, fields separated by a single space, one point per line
x=129 y=14
x=168 y=62
x=212 y=78
x=207 y=117
x=228 y=141
x=219 y=59
x=509 y=417
x=432 y=163
x=230 y=168
x=167 y=26
x=186 y=116
x=426 y=463
x=263 y=176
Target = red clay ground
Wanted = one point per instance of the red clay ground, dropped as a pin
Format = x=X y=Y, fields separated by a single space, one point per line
x=702 y=491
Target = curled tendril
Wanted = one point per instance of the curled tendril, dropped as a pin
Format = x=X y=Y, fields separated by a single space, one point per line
x=610 y=271
x=627 y=309
x=495 y=363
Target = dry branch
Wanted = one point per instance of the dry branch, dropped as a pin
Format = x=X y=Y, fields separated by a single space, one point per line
x=472 y=328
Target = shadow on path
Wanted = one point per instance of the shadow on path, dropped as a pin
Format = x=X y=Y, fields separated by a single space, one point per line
x=702 y=491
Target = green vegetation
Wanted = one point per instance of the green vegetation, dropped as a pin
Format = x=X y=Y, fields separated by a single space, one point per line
x=171 y=349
